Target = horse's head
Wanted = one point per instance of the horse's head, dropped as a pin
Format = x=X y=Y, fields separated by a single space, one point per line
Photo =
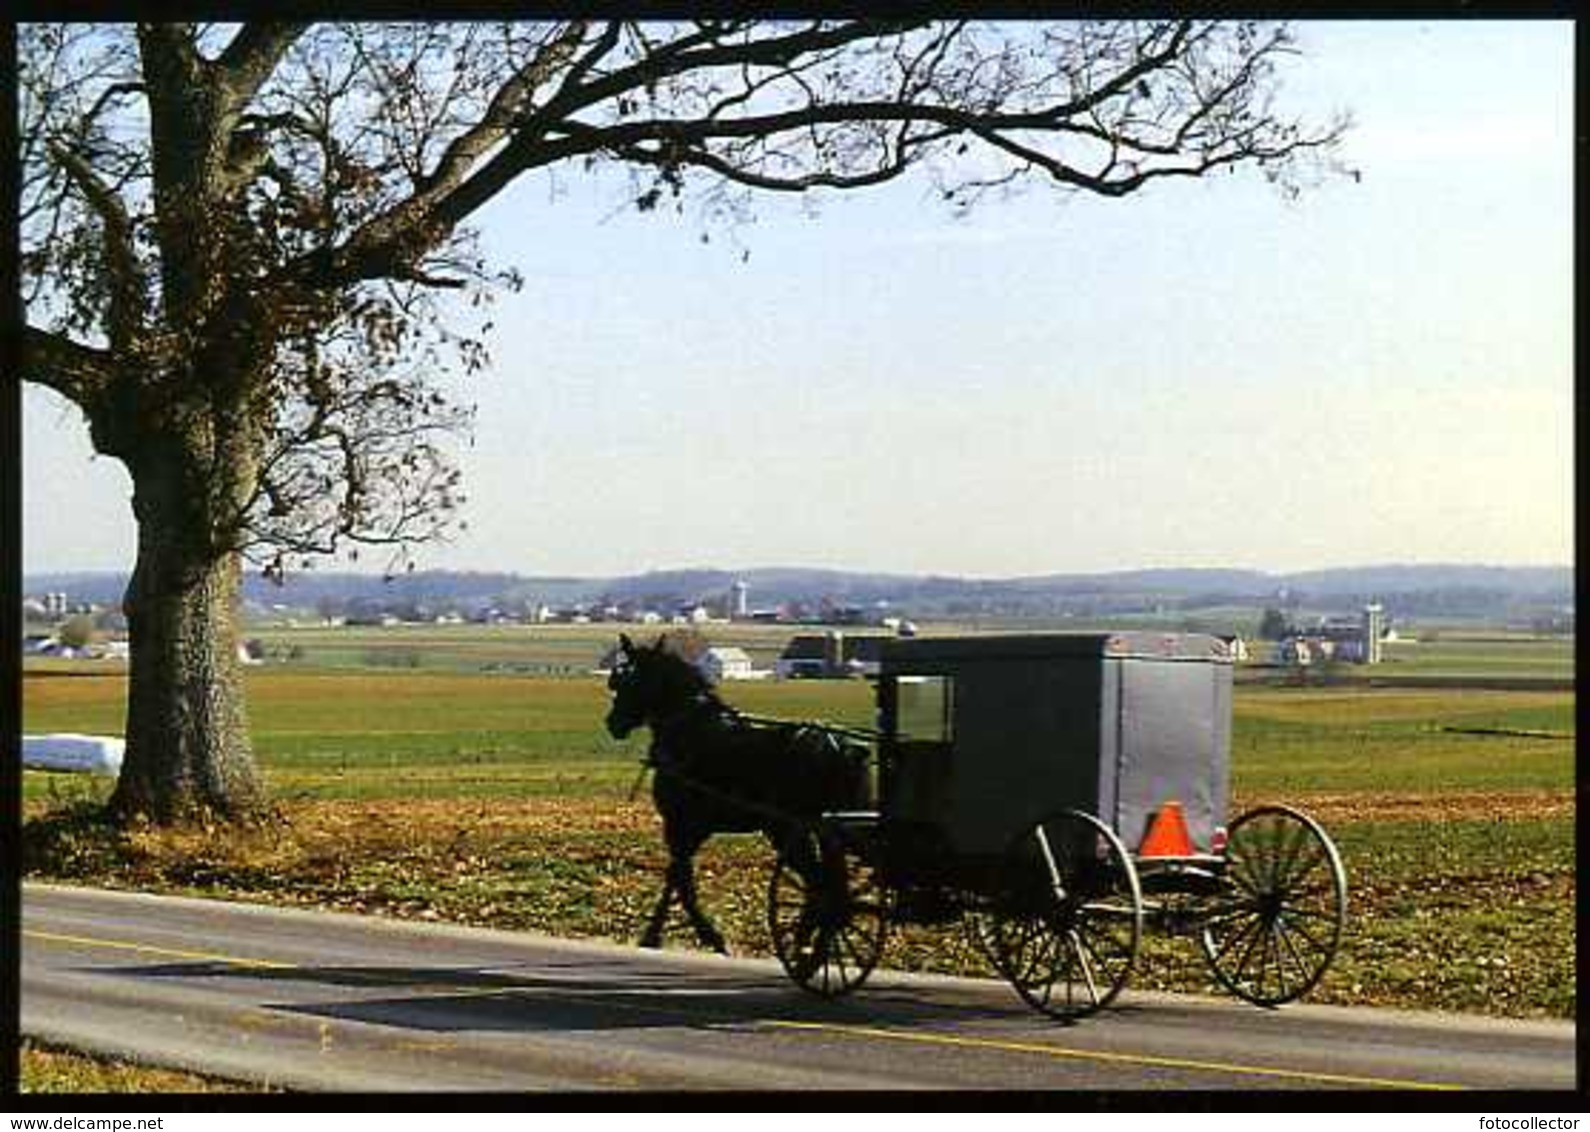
x=649 y=683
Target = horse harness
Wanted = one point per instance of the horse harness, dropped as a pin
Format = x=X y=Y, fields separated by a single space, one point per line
x=656 y=758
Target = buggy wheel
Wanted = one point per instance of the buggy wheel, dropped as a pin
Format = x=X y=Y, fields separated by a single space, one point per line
x=982 y=930
x=1065 y=928
x=1270 y=936
x=826 y=912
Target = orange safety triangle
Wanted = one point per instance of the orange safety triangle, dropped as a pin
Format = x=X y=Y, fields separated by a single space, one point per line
x=1167 y=834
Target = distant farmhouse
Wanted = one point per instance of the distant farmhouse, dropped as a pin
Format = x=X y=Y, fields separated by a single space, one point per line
x=830 y=656
x=1348 y=640
x=1236 y=647
x=728 y=663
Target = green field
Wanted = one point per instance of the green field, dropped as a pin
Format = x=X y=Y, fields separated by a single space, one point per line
x=496 y=797
x=1400 y=740
x=353 y=734
x=1454 y=653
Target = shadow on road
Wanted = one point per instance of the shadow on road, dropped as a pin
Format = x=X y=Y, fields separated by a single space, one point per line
x=583 y=996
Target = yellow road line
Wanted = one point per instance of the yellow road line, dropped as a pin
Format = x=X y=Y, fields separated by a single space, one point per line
x=171 y=952
x=1104 y=1055
x=842 y=1029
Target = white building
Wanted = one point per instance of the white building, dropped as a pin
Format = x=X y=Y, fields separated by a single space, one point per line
x=727 y=663
x=691 y=615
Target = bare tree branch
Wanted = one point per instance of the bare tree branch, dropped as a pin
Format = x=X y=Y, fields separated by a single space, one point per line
x=128 y=286
x=507 y=110
x=79 y=373
x=106 y=97
x=253 y=54
x=391 y=242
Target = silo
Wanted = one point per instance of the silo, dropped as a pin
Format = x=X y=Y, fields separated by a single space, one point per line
x=834 y=654
x=1374 y=630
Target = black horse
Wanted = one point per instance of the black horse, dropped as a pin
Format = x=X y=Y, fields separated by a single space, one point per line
x=718 y=772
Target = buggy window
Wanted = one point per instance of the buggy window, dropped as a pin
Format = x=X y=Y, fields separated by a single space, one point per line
x=926 y=709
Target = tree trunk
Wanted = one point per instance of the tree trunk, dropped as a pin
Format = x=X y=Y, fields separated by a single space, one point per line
x=188 y=754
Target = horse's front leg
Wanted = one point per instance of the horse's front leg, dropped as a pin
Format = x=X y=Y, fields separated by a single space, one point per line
x=652 y=936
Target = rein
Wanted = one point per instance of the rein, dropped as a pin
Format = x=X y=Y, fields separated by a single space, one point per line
x=846 y=729
x=645 y=765
x=651 y=762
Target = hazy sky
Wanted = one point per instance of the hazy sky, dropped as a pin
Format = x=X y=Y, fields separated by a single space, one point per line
x=1201 y=375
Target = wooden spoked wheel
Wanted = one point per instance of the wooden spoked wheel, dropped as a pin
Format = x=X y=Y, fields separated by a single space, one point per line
x=1271 y=935
x=827 y=912
x=1066 y=927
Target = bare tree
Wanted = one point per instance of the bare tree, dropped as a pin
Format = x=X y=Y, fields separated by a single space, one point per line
x=236 y=240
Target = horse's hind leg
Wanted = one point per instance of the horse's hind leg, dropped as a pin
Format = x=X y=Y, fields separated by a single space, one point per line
x=682 y=876
x=681 y=879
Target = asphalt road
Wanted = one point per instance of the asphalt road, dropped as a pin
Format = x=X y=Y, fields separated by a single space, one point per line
x=320 y=1001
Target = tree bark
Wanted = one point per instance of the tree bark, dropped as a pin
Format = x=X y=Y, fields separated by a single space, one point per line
x=188 y=754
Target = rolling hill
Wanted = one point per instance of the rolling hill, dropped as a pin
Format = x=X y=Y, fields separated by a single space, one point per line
x=1452 y=591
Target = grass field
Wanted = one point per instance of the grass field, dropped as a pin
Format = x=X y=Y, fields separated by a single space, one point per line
x=1342 y=739
x=348 y=734
x=442 y=791
x=1455 y=653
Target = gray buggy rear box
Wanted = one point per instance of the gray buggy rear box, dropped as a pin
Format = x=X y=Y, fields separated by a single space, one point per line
x=1111 y=723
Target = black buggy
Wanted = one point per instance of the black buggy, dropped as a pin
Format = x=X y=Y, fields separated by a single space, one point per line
x=1059 y=793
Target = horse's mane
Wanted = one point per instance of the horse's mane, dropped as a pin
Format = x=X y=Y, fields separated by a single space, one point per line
x=693 y=677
